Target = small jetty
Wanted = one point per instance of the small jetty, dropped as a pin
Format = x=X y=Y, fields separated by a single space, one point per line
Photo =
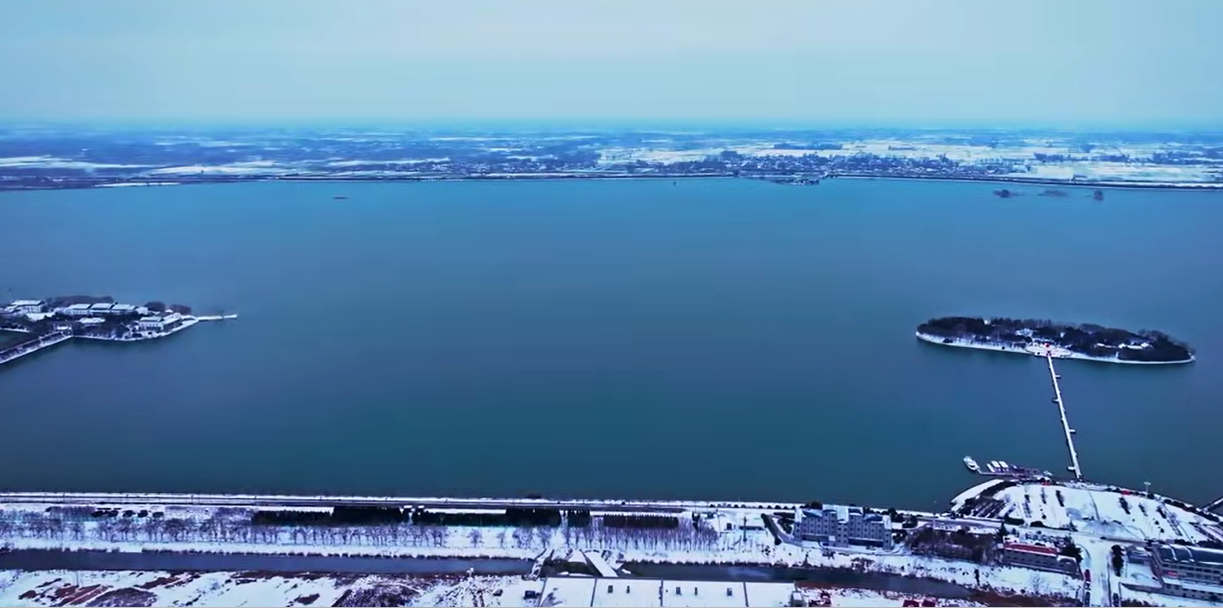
x=52 y=321
x=999 y=468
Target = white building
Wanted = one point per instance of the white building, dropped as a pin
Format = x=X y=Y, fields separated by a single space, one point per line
x=77 y=310
x=27 y=307
x=1193 y=572
x=159 y=322
x=100 y=308
x=840 y=526
x=92 y=321
x=122 y=309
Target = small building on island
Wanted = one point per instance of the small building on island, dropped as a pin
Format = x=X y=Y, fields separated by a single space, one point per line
x=160 y=322
x=27 y=307
x=77 y=310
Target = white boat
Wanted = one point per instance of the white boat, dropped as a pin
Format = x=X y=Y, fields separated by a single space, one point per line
x=972 y=464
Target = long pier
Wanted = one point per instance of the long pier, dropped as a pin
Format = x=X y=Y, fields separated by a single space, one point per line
x=1061 y=407
x=31 y=346
x=1214 y=505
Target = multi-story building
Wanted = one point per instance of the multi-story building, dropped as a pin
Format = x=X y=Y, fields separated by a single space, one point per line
x=1193 y=572
x=840 y=526
x=1040 y=557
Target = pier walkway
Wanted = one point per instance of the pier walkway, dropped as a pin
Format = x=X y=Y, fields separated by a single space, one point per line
x=1214 y=505
x=33 y=345
x=1061 y=406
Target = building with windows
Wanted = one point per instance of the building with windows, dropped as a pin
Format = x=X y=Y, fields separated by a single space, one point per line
x=27 y=307
x=1040 y=557
x=1192 y=572
x=77 y=310
x=160 y=322
x=841 y=526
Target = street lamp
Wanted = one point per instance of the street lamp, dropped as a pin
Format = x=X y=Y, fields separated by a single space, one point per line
x=1147 y=485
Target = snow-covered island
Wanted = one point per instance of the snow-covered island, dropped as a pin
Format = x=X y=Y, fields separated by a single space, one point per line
x=49 y=321
x=1059 y=340
x=1001 y=543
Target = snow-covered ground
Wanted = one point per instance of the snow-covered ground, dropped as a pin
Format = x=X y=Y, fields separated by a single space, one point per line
x=723 y=536
x=52 y=588
x=1097 y=511
x=1096 y=518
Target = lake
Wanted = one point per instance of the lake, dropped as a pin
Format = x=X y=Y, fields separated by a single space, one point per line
x=723 y=339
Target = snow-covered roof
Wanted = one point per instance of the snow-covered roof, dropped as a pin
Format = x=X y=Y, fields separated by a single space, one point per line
x=1029 y=548
x=81 y=306
x=703 y=593
x=27 y=302
x=1181 y=553
x=628 y=593
x=124 y=307
x=101 y=306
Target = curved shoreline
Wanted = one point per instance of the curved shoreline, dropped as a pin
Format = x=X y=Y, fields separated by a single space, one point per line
x=1007 y=348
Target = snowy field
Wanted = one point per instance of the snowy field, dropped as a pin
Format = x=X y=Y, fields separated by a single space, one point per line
x=91 y=588
x=1095 y=510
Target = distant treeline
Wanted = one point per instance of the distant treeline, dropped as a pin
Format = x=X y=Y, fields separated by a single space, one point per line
x=640 y=521
x=373 y=516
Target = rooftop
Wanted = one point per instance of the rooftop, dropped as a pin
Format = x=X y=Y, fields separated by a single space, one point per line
x=1182 y=553
x=26 y=302
x=1028 y=548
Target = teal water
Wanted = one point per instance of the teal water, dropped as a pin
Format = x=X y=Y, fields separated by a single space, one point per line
x=711 y=339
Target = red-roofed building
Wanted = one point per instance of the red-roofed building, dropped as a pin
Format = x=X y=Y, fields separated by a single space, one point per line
x=1041 y=549
x=1041 y=557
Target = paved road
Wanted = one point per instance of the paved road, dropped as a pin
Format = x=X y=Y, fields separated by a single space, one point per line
x=220 y=500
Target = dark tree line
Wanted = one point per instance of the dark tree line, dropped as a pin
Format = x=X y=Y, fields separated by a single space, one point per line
x=640 y=521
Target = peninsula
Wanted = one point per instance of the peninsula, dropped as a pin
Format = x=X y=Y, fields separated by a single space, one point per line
x=50 y=321
x=1059 y=340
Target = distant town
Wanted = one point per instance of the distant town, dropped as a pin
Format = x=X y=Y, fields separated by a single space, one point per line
x=43 y=157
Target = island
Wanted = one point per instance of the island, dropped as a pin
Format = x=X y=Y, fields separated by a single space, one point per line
x=1060 y=340
x=50 y=321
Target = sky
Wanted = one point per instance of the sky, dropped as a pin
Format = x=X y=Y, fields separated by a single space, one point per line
x=811 y=62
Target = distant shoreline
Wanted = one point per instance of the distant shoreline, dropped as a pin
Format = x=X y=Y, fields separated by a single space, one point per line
x=229 y=179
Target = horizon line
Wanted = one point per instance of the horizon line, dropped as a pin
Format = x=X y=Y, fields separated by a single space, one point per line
x=593 y=123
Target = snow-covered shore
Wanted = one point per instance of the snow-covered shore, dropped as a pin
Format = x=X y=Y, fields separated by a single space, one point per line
x=1059 y=354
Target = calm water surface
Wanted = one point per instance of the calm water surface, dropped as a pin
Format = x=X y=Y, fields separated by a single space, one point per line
x=720 y=339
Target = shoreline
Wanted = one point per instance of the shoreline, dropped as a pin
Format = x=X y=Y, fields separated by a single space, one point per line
x=195 y=181
x=1002 y=348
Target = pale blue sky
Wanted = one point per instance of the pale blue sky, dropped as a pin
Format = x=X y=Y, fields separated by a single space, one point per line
x=1061 y=62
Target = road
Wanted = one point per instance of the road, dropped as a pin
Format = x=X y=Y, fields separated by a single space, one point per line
x=221 y=500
